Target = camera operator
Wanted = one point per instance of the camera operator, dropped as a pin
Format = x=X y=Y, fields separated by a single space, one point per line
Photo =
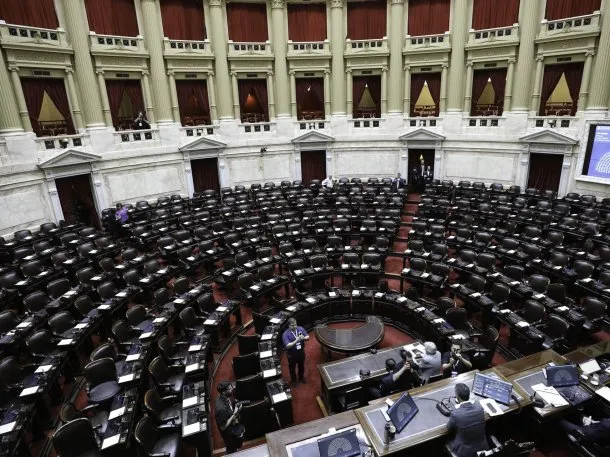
x=455 y=362
x=227 y=417
x=294 y=342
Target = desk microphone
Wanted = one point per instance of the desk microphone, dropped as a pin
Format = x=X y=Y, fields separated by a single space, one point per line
x=443 y=406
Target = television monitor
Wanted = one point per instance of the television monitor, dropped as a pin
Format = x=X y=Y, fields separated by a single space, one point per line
x=402 y=411
x=490 y=387
x=597 y=155
x=562 y=376
x=342 y=444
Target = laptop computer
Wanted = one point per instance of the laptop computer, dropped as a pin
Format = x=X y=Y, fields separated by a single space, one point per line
x=402 y=411
x=562 y=376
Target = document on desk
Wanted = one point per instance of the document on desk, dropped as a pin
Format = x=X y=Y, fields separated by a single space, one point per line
x=192 y=428
x=550 y=395
x=28 y=391
x=280 y=397
x=7 y=428
x=111 y=441
x=491 y=407
x=604 y=392
x=116 y=413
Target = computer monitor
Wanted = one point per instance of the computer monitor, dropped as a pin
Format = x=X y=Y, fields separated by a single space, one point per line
x=490 y=387
x=562 y=376
x=402 y=411
x=342 y=444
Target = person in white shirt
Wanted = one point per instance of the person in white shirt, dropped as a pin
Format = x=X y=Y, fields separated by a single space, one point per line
x=328 y=182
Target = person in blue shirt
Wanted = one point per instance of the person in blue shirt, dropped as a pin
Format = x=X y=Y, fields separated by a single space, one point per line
x=294 y=342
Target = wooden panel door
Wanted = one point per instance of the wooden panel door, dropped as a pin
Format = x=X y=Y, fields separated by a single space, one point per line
x=76 y=198
x=205 y=174
x=313 y=166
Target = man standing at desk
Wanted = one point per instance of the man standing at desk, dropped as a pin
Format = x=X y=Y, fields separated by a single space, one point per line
x=294 y=342
x=468 y=422
x=328 y=182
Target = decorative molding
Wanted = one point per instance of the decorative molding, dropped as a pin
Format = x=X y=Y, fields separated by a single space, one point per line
x=313 y=137
x=215 y=2
x=337 y=3
x=69 y=157
x=547 y=136
x=202 y=144
x=421 y=135
x=278 y=4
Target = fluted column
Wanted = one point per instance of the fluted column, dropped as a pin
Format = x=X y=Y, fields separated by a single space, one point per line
x=406 y=101
x=212 y=97
x=600 y=89
x=585 y=81
x=397 y=36
x=21 y=104
x=529 y=24
x=384 y=90
x=337 y=46
x=537 y=84
x=279 y=43
x=148 y=100
x=77 y=30
x=350 y=92
x=235 y=95
x=173 y=92
x=271 y=98
x=226 y=98
x=443 y=103
x=101 y=83
x=326 y=93
x=293 y=95
x=508 y=91
x=459 y=35
x=153 y=37
x=468 y=90
x=74 y=102
x=10 y=121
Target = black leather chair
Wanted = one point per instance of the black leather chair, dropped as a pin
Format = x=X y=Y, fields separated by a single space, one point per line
x=172 y=353
x=8 y=320
x=485 y=344
x=247 y=344
x=246 y=365
x=97 y=417
x=595 y=312
x=101 y=379
x=166 y=381
x=250 y=387
x=76 y=439
x=153 y=443
x=165 y=411
x=108 y=350
x=556 y=327
x=587 y=448
x=124 y=335
x=533 y=312
x=12 y=374
x=258 y=418
x=193 y=324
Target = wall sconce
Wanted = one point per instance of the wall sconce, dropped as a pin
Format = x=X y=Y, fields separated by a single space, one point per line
x=263 y=150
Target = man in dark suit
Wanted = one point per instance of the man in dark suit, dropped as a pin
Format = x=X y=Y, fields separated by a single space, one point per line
x=468 y=422
x=398 y=182
x=591 y=430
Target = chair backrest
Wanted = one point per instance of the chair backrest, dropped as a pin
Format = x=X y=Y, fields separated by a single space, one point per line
x=99 y=371
x=106 y=350
x=158 y=370
x=246 y=365
x=247 y=344
x=533 y=311
x=121 y=331
x=136 y=315
x=443 y=304
x=153 y=404
x=35 y=301
x=556 y=326
x=75 y=438
x=188 y=317
x=146 y=435
x=250 y=387
x=61 y=322
x=40 y=343
x=260 y=322
x=557 y=292
x=457 y=318
x=539 y=283
x=593 y=308
x=8 y=320
x=256 y=418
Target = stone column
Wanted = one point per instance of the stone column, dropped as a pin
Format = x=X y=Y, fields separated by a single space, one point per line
x=337 y=47
x=293 y=95
x=148 y=101
x=153 y=37
x=468 y=90
x=270 y=97
x=77 y=30
x=212 y=97
x=443 y=103
x=508 y=91
x=585 y=81
x=459 y=35
x=173 y=92
x=529 y=24
x=10 y=121
x=535 y=105
x=76 y=113
x=21 y=104
x=397 y=36
x=326 y=93
x=279 y=43
x=384 y=90
x=600 y=89
x=235 y=95
x=406 y=101
x=226 y=98
x=350 y=93
x=101 y=82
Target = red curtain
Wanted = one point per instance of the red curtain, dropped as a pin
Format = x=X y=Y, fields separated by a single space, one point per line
x=116 y=88
x=573 y=74
x=310 y=97
x=434 y=86
x=193 y=101
x=112 y=17
x=545 y=171
x=258 y=89
x=498 y=81
x=479 y=81
x=34 y=13
x=34 y=89
x=560 y=9
x=417 y=84
x=366 y=20
x=489 y=14
x=359 y=84
x=552 y=75
x=205 y=174
x=313 y=166
x=76 y=200
x=247 y=22
x=428 y=17
x=307 y=22
x=183 y=19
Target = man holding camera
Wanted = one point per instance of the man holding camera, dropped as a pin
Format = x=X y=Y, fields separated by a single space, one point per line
x=227 y=417
x=294 y=342
x=455 y=362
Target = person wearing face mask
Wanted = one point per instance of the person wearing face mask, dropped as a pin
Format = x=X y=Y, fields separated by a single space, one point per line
x=294 y=342
x=227 y=417
x=455 y=362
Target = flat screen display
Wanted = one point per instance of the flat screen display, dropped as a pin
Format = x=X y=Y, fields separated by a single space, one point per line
x=490 y=387
x=402 y=411
x=562 y=376
x=342 y=444
x=597 y=157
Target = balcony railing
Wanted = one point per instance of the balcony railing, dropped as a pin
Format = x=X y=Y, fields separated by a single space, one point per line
x=502 y=35
x=483 y=121
x=589 y=23
x=298 y=49
x=136 y=136
x=257 y=127
x=48 y=143
x=198 y=130
x=114 y=43
x=368 y=47
x=250 y=50
x=552 y=122
x=427 y=43
x=32 y=36
x=423 y=121
x=366 y=123
x=313 y=124
x=187 y=48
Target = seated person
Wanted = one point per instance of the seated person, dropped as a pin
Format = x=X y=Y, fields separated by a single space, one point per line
x=390 y=382
x=455 y=362
x=410 y=378
x=589 y=428
x=468 y=422
x=430 y=363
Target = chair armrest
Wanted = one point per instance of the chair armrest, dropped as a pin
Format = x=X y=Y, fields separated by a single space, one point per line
x=169 y=398
x=159 y=454
x=182 y=343
x=88 y=408
x=136 y=329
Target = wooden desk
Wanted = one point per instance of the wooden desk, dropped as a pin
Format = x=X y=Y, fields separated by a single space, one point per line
x=257 y=451
x=351 y=340
x=534 y=360
x=594 y=351
x=277 y=441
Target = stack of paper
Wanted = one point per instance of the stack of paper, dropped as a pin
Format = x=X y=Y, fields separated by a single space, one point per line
x=550 y=395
